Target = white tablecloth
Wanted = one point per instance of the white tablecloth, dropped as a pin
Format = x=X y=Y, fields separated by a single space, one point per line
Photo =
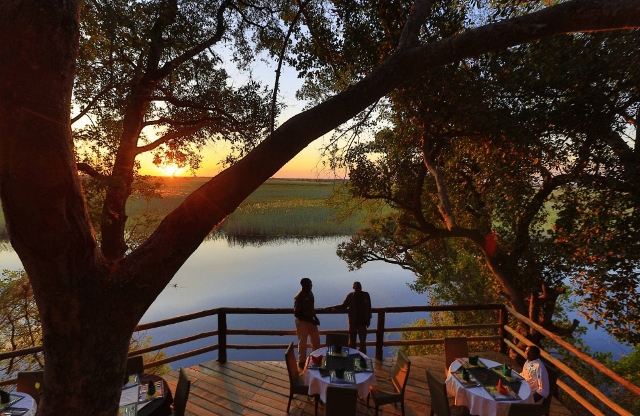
x=26 y=402
x=477 y=399
x=130 y=395
x=318 y=384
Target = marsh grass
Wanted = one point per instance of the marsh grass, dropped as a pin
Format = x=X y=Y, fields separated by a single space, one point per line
x=292 y=208
x=280 y=207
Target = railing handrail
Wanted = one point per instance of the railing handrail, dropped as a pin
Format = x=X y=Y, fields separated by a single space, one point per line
x=501 y=326
x=584 y=357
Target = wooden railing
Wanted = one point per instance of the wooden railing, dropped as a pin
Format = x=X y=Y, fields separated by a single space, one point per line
x=502 y=331
x=380 y=330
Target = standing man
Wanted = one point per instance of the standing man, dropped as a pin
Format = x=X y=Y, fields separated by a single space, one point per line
x=306 y=320
x=535 y=374
x=358 y=304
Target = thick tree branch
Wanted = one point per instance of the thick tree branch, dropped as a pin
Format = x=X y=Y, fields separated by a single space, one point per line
x=184 y=229
x=443 y=196
x=411 y=32
x=90 y=170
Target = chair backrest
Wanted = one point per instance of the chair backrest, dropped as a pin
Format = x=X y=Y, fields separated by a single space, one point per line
x=526 y=409
x=438 y=391
x=292 y=365
x=26 y=383
x=400 y=372
x=454 y=347
x=341 y=401
x=135 y=365
x=181 y=397
x=553 y=380
x=337 y=339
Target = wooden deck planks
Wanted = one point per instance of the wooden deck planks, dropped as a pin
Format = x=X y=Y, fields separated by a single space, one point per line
x=262 y=388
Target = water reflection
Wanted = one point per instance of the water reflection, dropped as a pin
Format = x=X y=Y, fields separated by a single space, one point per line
x=268 y=275
x=265 y=272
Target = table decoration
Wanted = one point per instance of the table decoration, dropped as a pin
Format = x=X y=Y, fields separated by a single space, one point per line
x=150 y=391
x=128 y=410
x=13 y=399
x=463 y=376
x=337 y=351
x=347 y=377
x=362 y=364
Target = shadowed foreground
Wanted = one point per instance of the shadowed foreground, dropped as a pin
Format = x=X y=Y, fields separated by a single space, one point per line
x=262 y=388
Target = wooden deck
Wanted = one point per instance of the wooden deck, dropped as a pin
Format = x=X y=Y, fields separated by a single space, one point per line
x=262 y=388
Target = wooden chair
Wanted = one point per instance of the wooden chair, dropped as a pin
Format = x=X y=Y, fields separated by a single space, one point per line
x=341 y=401
x=135 y=365
x=392 y=391
x=27 y=383
x=454 y=347
x=181 y=396
x=440 y=405
x=337 y=339
x=296 y=386
x=536 y=409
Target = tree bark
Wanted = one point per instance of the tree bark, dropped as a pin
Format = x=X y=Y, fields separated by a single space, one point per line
x=89 y=306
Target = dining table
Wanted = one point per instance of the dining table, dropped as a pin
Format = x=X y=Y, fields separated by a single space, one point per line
x=134 y=400
x=485 y=386
x=19 y=404
x=344 y=366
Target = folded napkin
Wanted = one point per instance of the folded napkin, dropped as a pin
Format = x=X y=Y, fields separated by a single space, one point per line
x=501 y=388
x=465 y=374
x=4 y=397
x=316 y=360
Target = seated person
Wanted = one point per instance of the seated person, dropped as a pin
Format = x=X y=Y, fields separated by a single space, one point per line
x=535 y=374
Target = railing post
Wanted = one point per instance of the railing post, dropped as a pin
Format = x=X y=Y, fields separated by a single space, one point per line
x=380 y=334
x=501 y=332
x=222 y=337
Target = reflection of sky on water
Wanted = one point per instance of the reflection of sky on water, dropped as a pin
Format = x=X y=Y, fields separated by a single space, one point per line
x=218 y=274
x=269 y=276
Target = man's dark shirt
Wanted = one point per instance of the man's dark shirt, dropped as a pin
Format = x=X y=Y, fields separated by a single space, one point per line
x=358 y=304
x=303 y=306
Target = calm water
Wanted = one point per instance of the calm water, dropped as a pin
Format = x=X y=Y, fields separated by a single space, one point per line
x=219 y=274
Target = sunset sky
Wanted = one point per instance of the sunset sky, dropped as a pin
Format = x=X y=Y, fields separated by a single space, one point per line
x=306 y=165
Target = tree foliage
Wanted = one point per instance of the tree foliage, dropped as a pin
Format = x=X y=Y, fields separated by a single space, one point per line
x=151 y=77
x=80 y=284
x=19 y=321
x=528 y=156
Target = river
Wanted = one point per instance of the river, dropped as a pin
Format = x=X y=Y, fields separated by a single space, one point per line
x=222 y=274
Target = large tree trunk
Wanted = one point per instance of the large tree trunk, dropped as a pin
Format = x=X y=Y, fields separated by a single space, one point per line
x=89 y=306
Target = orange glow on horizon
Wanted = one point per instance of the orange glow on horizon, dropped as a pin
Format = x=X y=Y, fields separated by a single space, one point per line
x=170 y=169
x=306 y=165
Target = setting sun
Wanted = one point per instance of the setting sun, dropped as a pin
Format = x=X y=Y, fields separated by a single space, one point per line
x=171 y=169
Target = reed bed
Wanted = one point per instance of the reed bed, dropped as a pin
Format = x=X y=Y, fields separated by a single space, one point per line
x=278 y=208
